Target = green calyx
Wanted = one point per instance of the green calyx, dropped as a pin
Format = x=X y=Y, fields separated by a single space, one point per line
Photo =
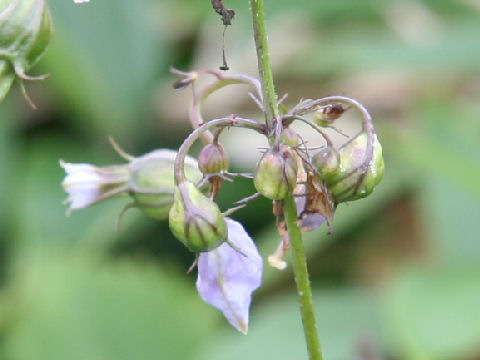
x=276 y=174
x=25 y=32
x=196 y=220
x=151 y=181
x=353 y=178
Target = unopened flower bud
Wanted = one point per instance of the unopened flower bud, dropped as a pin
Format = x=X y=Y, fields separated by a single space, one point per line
x=213 y=159
x=276 y=174
x=196 y=220
x=290 y=137
x=151 y=181
x=25 y=32
x=326 y=162
x=354 y=179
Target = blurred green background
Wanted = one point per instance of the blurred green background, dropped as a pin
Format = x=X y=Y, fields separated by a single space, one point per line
x=398 y=279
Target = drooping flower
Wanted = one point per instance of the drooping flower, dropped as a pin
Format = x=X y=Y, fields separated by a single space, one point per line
x=87 y=184
x=148 y=179
x=227 y=278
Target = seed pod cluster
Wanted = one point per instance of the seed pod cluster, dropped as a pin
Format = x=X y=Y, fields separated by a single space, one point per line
x=355 y=176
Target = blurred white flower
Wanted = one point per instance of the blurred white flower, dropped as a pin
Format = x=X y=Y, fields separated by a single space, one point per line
x=87 y=184
x=80 y=1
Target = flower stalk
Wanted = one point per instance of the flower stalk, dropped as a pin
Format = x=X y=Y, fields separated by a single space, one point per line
x=270 y=104
x=302 y=280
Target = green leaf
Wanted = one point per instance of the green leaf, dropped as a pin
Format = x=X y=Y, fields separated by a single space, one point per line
x=433 y=313
x=104 y=60
x=345 y=319
x=69 y=306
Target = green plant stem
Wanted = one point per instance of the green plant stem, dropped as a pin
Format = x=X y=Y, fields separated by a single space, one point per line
x=301 y=279
x=270 y=104
x=264 y=68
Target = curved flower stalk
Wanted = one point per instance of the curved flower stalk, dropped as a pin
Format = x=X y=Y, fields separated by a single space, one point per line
x=187 y=78
x=227 y=278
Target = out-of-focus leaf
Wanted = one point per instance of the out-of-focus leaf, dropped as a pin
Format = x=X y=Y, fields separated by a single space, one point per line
x=7 y=151
x=104 y=60
x=37 y=212
x=72 y=307
x=345 y=320
x=450 y=217
x=433 y=313
x=371 y=49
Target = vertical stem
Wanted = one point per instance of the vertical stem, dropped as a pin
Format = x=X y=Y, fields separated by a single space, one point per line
x=264 y=68
x=271 y=113
x=301 y=279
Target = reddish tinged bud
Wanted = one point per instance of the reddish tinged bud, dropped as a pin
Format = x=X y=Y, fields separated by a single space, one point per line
x=276 y=174
x=290 y=137
x=213 y=159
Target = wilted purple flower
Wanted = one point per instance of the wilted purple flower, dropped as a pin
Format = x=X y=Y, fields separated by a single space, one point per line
x=227 y=278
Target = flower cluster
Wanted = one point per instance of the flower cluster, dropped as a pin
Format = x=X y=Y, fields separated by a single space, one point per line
x=170 y=184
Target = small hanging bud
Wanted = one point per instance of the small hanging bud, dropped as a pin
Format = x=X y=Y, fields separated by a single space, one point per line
x=290 y=137
x=151 y=181
x=326 y=162
x=196 y=220
x=276 y=174
x=213 y=159
x=25 y=32
x=354 y=179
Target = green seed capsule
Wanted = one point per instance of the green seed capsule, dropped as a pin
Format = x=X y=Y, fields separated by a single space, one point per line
x=326 y=162
x=196 y=220
x=352 y=181
x=25 y=32
x=276 y=174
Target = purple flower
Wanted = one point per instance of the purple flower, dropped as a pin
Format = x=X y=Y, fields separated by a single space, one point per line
x=227 y=278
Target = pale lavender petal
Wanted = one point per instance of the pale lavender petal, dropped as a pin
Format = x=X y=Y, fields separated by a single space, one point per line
x=227 y=279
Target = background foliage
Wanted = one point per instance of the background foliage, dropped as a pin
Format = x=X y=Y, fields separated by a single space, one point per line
x=398 y=279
